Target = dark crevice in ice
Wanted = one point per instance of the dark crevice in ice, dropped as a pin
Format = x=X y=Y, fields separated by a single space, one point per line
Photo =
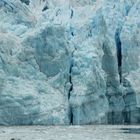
x=69 y=93
x=71 y=88
x=119 y=52
x=45 y=8
x=71 y=13
x=70 y=71
x=70 y=80
x=71 y=115
x=72 y=33
x=27 y=2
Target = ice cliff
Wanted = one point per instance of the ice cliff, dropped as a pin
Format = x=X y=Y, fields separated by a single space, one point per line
x=69 y=62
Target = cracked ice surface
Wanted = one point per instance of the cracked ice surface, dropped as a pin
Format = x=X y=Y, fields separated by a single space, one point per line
x=59 y=65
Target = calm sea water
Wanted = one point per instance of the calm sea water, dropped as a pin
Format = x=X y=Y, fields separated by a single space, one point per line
x=91 y=132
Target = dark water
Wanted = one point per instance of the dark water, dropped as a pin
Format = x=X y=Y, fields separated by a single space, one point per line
x=131 y=130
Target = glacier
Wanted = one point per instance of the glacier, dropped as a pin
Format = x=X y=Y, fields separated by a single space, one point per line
x=69 y=62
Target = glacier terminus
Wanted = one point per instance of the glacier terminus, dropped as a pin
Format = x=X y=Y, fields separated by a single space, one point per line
x=69 y=62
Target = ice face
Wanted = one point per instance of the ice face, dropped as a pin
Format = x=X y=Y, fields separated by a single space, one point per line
x=69 y=62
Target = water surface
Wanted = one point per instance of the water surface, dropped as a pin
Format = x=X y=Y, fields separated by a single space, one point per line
x=91 y=132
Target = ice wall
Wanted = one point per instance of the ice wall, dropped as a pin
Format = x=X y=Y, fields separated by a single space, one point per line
x=69 y=62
